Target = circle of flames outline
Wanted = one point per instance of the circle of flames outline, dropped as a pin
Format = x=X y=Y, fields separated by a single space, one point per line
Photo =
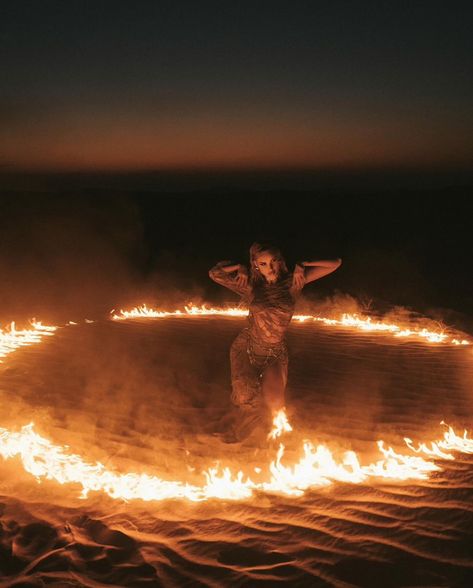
x=316 y=468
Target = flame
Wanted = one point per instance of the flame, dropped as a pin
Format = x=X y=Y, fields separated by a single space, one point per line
x=189 y=310
x=204 y=310
x=280 y=424
x=451 y=442
x=227 y=486
x=42 y=459
x=367 y=324
x=318 y=467
x=353 y=321
x=143 y=312
x=12 y=338
x=315 y=469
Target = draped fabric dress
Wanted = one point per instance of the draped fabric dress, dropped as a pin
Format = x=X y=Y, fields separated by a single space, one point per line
x=261 y=343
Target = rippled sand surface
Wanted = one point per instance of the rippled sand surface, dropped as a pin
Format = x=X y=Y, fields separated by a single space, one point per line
x=143 y=396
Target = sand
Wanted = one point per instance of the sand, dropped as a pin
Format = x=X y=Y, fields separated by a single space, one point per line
x=145 y=395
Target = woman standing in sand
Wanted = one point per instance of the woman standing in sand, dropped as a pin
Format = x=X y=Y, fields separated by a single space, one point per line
x=258 y=356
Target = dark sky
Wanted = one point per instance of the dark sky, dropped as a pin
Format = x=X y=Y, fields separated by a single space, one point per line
x=155 y=85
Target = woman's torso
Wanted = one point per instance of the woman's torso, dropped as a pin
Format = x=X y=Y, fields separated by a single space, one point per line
x=271 y=307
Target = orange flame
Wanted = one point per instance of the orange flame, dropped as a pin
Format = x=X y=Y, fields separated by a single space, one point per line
x=12 y=338
x=450 y=442
x=317 y=467
x=353 y=321
x=280 y=424
x=189 y=310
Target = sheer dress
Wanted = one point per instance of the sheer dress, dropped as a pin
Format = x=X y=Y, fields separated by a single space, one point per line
x=262 y=342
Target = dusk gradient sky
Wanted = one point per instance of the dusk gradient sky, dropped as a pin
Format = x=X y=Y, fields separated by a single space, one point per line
x=163 y=85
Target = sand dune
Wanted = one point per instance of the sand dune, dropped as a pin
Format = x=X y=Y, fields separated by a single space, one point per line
x=144 y=395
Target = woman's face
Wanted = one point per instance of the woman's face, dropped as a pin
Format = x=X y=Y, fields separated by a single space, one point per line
x=268 y=265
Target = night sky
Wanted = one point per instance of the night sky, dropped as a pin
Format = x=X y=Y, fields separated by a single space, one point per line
x=163 y=85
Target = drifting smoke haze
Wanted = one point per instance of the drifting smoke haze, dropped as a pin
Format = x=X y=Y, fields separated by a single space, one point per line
x=69 y=255
x=66 y=257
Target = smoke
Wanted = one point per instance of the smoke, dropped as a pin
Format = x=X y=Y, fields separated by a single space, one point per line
x=331 y=306
x=133 y=392
x=67 y=257
x=70 y=257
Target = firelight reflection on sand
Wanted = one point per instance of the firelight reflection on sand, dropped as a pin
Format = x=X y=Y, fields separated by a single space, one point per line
x=353 y=321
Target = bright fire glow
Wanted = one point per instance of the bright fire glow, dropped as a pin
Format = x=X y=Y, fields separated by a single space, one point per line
x=189 y=310
x=280 y=425
x=317 y=467
x=450 y=442
x=367 y=324
x=353 y=321
x=12 y=338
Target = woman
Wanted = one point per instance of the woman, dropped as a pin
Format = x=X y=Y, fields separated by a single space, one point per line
x=258 y=355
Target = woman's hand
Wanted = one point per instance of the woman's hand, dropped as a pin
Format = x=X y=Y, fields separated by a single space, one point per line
x=242 y=277
x=299 y=275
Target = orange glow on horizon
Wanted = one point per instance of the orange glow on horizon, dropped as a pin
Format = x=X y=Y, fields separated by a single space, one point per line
x=96 y=142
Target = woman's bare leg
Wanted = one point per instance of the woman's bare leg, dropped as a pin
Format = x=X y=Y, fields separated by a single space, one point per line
x=274 y=385
x=246 y=393
x=244 y=416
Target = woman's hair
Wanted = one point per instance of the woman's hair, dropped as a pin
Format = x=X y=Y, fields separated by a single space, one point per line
x=259 y=248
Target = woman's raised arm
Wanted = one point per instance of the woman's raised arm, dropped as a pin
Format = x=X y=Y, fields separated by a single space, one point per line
x=233 y=276
x=313 y=270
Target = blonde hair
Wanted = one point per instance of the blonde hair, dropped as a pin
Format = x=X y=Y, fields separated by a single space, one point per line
x=259 y=248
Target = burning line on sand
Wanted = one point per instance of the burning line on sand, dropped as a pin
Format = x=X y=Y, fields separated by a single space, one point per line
x=12 y=338
x=316 y=468
x=353 y=321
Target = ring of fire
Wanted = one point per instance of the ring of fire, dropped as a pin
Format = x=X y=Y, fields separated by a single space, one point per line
x=316 y=468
